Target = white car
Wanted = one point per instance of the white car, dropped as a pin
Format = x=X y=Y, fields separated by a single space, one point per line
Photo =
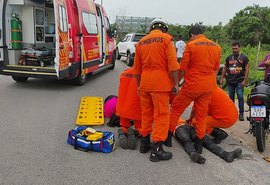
x=126 y=47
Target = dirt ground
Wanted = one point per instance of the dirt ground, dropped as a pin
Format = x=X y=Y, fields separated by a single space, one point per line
x=238 y=132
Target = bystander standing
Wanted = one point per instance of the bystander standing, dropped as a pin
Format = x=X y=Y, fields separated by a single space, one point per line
x=236 y=71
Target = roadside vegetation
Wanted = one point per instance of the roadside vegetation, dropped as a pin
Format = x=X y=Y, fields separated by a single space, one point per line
x=250 y=26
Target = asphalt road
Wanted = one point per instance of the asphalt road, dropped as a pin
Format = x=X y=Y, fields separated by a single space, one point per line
x=36 y=116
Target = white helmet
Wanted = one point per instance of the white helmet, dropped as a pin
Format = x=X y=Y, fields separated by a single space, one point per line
x=158 y=23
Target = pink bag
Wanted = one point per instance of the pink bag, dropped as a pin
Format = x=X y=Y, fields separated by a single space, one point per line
x=110 y=106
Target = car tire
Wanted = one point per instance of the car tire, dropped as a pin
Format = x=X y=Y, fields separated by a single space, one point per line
x=20 y=78
x=113 y=61
x=129 y=60
x=80 y=79
x=118 y=56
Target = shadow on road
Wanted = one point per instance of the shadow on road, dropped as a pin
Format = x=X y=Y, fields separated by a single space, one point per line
x=55 y=85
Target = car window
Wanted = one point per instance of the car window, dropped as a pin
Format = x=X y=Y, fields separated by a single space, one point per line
x=136 y=38
x=128 y=38
x=125 y=39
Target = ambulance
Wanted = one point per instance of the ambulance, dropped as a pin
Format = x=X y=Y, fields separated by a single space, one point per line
x=59 y=39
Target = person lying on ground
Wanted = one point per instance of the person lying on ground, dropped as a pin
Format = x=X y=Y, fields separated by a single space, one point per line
x=185 y=135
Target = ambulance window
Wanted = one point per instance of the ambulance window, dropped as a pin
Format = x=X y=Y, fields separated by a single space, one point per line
x=90 y=22
x=62 y=19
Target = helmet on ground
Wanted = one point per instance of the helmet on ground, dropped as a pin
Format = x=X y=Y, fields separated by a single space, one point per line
x=159 y=23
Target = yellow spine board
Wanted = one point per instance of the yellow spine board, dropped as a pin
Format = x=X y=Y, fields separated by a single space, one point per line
x=91 y=111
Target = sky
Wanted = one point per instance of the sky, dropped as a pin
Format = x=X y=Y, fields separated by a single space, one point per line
x=183 y=12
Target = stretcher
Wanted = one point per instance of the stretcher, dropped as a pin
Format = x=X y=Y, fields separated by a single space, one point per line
x=36 y=57
x=90 y=111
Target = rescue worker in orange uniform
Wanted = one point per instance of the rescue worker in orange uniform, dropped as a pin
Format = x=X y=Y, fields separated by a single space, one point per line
x=157 y=68
x=128 y=108
x=222 y=113
x=200 y=63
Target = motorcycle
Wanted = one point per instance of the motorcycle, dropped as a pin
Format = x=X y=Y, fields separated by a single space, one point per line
x=259 y=107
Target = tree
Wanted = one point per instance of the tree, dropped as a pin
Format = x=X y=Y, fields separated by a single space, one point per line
x=143 y=28
x=179 y=30
x=250 y=25
x=217 y=33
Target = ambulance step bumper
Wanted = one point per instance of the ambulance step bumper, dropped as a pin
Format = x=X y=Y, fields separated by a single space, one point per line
x=102 y=69
x=36 y=74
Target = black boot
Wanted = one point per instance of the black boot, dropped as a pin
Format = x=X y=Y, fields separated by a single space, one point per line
x=122 y=137
x=241 y=117
x=145 y=144
x=198 y=145
x=158 y=154
x=230 y=156
x=131 y=139
x=195 y=157
x=219 y=135
x=168 y=141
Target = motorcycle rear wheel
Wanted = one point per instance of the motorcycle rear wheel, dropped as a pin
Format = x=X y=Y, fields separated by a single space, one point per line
x=260 y=136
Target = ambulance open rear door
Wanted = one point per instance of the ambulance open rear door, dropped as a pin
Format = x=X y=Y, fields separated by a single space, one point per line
x=62 y=39
x=101 y=35
x=1 y=33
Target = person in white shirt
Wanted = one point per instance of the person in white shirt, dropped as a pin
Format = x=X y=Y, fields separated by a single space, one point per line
x=180 y=47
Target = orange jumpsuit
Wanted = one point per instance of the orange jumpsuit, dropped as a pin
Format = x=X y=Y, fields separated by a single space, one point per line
x=201 y=60
x=128 y=103
x=155 y=58
x=222 y=112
